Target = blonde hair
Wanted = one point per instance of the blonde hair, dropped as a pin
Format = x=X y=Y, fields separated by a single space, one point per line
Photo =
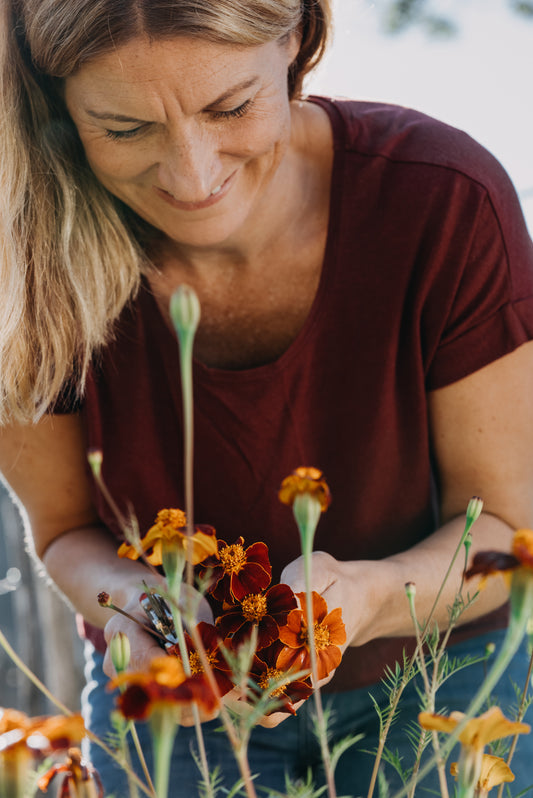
x=71 y=254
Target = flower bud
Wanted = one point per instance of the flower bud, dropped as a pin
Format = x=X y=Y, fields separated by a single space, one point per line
x=104 y=599
x=185 y=309
x=119 y=649
x=95 y=458
x=473 y=511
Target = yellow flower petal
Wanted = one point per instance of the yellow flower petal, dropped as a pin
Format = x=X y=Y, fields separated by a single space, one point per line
x=478 y=732
x=494 y=771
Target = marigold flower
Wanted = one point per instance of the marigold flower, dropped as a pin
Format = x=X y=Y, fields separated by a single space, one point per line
x=478 y=732
x=266 y=611
x=170 y=529
x=265 y=673
x=24 y=739
x=305 y=480
x=164 y=683
x=494 y=771
x=41 y=734
x=487 y=563
x=211 y=642
x=236 y=572
x=79 y=774
x=329 y=634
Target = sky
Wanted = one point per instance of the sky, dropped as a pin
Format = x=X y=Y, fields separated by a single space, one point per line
x=479 y=80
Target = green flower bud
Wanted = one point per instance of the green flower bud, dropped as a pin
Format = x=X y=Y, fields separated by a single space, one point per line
x=119 y=648
x=473 y=511
x=185 y=309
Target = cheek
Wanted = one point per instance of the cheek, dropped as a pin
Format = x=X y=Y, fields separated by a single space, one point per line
x=112 y=162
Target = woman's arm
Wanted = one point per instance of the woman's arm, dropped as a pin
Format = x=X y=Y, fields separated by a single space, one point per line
x=482 y=431
x=44 y=465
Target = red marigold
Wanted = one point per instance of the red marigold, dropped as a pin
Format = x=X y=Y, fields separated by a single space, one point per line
x=235 y=571
x=305 y=480
x=265 y=611
x=329 y=634
x=211 y=642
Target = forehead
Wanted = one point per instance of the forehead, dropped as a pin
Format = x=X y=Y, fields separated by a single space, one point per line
x=187 y=62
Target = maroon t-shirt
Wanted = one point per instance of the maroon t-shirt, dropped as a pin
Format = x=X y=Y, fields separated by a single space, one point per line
x=427 y=276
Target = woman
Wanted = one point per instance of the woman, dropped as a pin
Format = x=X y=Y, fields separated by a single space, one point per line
x=366 y=283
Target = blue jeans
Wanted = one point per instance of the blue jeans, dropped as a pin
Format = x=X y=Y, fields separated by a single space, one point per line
x=291 y=748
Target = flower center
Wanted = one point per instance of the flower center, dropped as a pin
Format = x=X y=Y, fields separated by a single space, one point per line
x=171 y=517
x=195 y=663
x=322 y=639
x=254 y=607
x=271 y=675
x=233 y=558
x=321 y=636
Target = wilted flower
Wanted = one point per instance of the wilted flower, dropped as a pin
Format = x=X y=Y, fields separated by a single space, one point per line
x=170 y=530
x=78 y=774
x=329 y=634
x=267 y=611
x=236 y=571
x=305 y=480
x=494 y=771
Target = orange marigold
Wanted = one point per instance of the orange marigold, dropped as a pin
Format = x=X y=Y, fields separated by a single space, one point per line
x=305 y=480
x=329 y=634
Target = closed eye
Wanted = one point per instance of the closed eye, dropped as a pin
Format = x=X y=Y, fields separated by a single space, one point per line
x=124 y=134
x=233 y=113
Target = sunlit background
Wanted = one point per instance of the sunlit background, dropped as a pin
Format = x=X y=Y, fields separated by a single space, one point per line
x=478 y=78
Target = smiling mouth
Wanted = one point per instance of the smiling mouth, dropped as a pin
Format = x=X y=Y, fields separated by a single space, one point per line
x=214 y=196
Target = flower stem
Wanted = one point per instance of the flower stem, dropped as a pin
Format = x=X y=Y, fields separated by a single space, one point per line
x=307 y=511
x=163 y=725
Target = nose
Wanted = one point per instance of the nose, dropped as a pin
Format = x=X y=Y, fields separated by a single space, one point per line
x=189 y=165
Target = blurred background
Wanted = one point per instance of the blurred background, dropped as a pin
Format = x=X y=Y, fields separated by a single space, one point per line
x=466 y=62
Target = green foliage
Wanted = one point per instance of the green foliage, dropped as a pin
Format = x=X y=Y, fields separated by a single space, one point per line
x=399 y=15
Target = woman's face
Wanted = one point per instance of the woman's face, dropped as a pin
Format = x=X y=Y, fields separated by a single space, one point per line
x=188 y=133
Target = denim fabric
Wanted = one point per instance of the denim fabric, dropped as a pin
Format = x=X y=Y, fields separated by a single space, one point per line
x=292 y=749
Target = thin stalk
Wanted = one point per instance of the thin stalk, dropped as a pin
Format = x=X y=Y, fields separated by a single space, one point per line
x=307 y=512
x=521 y=610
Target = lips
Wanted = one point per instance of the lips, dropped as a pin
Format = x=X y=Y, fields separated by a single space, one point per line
x=215 y=196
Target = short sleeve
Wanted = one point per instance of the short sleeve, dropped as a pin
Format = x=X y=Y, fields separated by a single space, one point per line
x=489 y=294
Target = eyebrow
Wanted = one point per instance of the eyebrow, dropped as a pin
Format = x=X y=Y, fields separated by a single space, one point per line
x=109 y=116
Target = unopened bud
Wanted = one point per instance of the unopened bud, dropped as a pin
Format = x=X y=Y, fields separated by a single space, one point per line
x=185 y=309
x=119 y=649
x=474 y=508
x=95 y=458
x=104 y=599
x=410 y=589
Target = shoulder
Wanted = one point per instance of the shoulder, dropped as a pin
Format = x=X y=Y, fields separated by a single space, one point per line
x=401 y=136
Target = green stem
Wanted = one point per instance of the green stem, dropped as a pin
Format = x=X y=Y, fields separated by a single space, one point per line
x=307 y=512
x=163 y=725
